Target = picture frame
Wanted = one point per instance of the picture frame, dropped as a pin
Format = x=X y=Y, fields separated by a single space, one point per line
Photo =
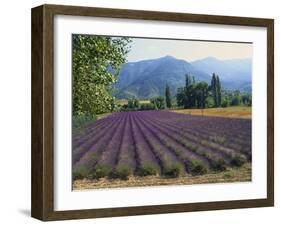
x=43 y=108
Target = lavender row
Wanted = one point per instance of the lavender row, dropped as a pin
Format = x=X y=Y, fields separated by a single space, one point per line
x=159 y=142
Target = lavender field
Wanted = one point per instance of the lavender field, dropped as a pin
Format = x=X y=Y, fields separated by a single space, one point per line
x=164 y=143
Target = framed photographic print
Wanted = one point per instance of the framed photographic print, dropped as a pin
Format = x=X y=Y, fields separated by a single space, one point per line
x=141 y=112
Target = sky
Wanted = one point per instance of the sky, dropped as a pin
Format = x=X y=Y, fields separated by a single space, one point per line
x=142 y=49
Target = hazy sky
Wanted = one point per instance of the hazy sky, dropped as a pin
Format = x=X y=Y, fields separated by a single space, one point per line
x=188 y=50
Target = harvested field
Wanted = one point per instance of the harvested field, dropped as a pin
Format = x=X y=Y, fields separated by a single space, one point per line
x=229 y=112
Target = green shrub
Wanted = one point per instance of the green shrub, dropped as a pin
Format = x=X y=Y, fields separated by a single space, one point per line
x=82 y=120
x=193 y=148
x=173 y=170
x=101 y=171
x=147 y=170
x=198 y=168
x=238 y=160
x=113 y=174
x=122 y=172
x=218 y=139
x=224 y=104
x=147 y=106
x=219 y=165
x=80 y=173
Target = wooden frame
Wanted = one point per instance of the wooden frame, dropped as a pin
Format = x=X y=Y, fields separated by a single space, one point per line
x=43 y=119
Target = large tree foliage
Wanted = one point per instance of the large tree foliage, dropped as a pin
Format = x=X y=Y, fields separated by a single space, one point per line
x=236 y=98
x=189 y=90
x=201 y=94
x=195 y=94
x=187 y=96
x=96 y=64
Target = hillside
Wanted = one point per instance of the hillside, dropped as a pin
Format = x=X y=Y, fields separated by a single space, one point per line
x=148 y=78
x=234 y=74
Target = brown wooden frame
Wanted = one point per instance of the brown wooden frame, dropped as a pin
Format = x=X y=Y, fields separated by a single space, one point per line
x=42 y=203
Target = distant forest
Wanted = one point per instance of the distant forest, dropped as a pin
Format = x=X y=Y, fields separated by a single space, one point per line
x=193 y=95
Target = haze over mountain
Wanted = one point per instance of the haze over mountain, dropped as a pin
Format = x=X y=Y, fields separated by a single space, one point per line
x=148 y=78
x=234 y=74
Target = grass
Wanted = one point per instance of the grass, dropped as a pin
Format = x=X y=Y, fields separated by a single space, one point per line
x=144 y=101
x=101 y=116
x=79 y=122
x=229 y=112
x=124 y=101
x=121 y=101
x=234 y=174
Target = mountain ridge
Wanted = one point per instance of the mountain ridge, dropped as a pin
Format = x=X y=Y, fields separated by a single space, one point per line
x=148 y=78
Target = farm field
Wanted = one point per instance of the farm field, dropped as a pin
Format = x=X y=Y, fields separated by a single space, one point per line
x=230 y=112
x=162 y=145
x=124 y=101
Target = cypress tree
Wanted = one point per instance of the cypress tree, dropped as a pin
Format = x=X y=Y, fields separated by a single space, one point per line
x=193 y=80
x=214 y=89
x=187 y=81
x=168 y=96
x=218 y=86
x=187 y=91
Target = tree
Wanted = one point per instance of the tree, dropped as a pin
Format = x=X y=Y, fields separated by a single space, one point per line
x=131 y=103
x=218 y=84
x=224 y=103
x=215 y=88
x=168 y=97
x=236 y=98
x=246 y=99
x=189 y=92
x=180 y=96
x=136 y=104
x=194 y=94
x=201 y=94
x=188 y=80
x=158 y=102
x=96 y=64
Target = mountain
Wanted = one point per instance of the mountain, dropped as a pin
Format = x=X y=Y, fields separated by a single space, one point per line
x=234 y=74
x=146 y=79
